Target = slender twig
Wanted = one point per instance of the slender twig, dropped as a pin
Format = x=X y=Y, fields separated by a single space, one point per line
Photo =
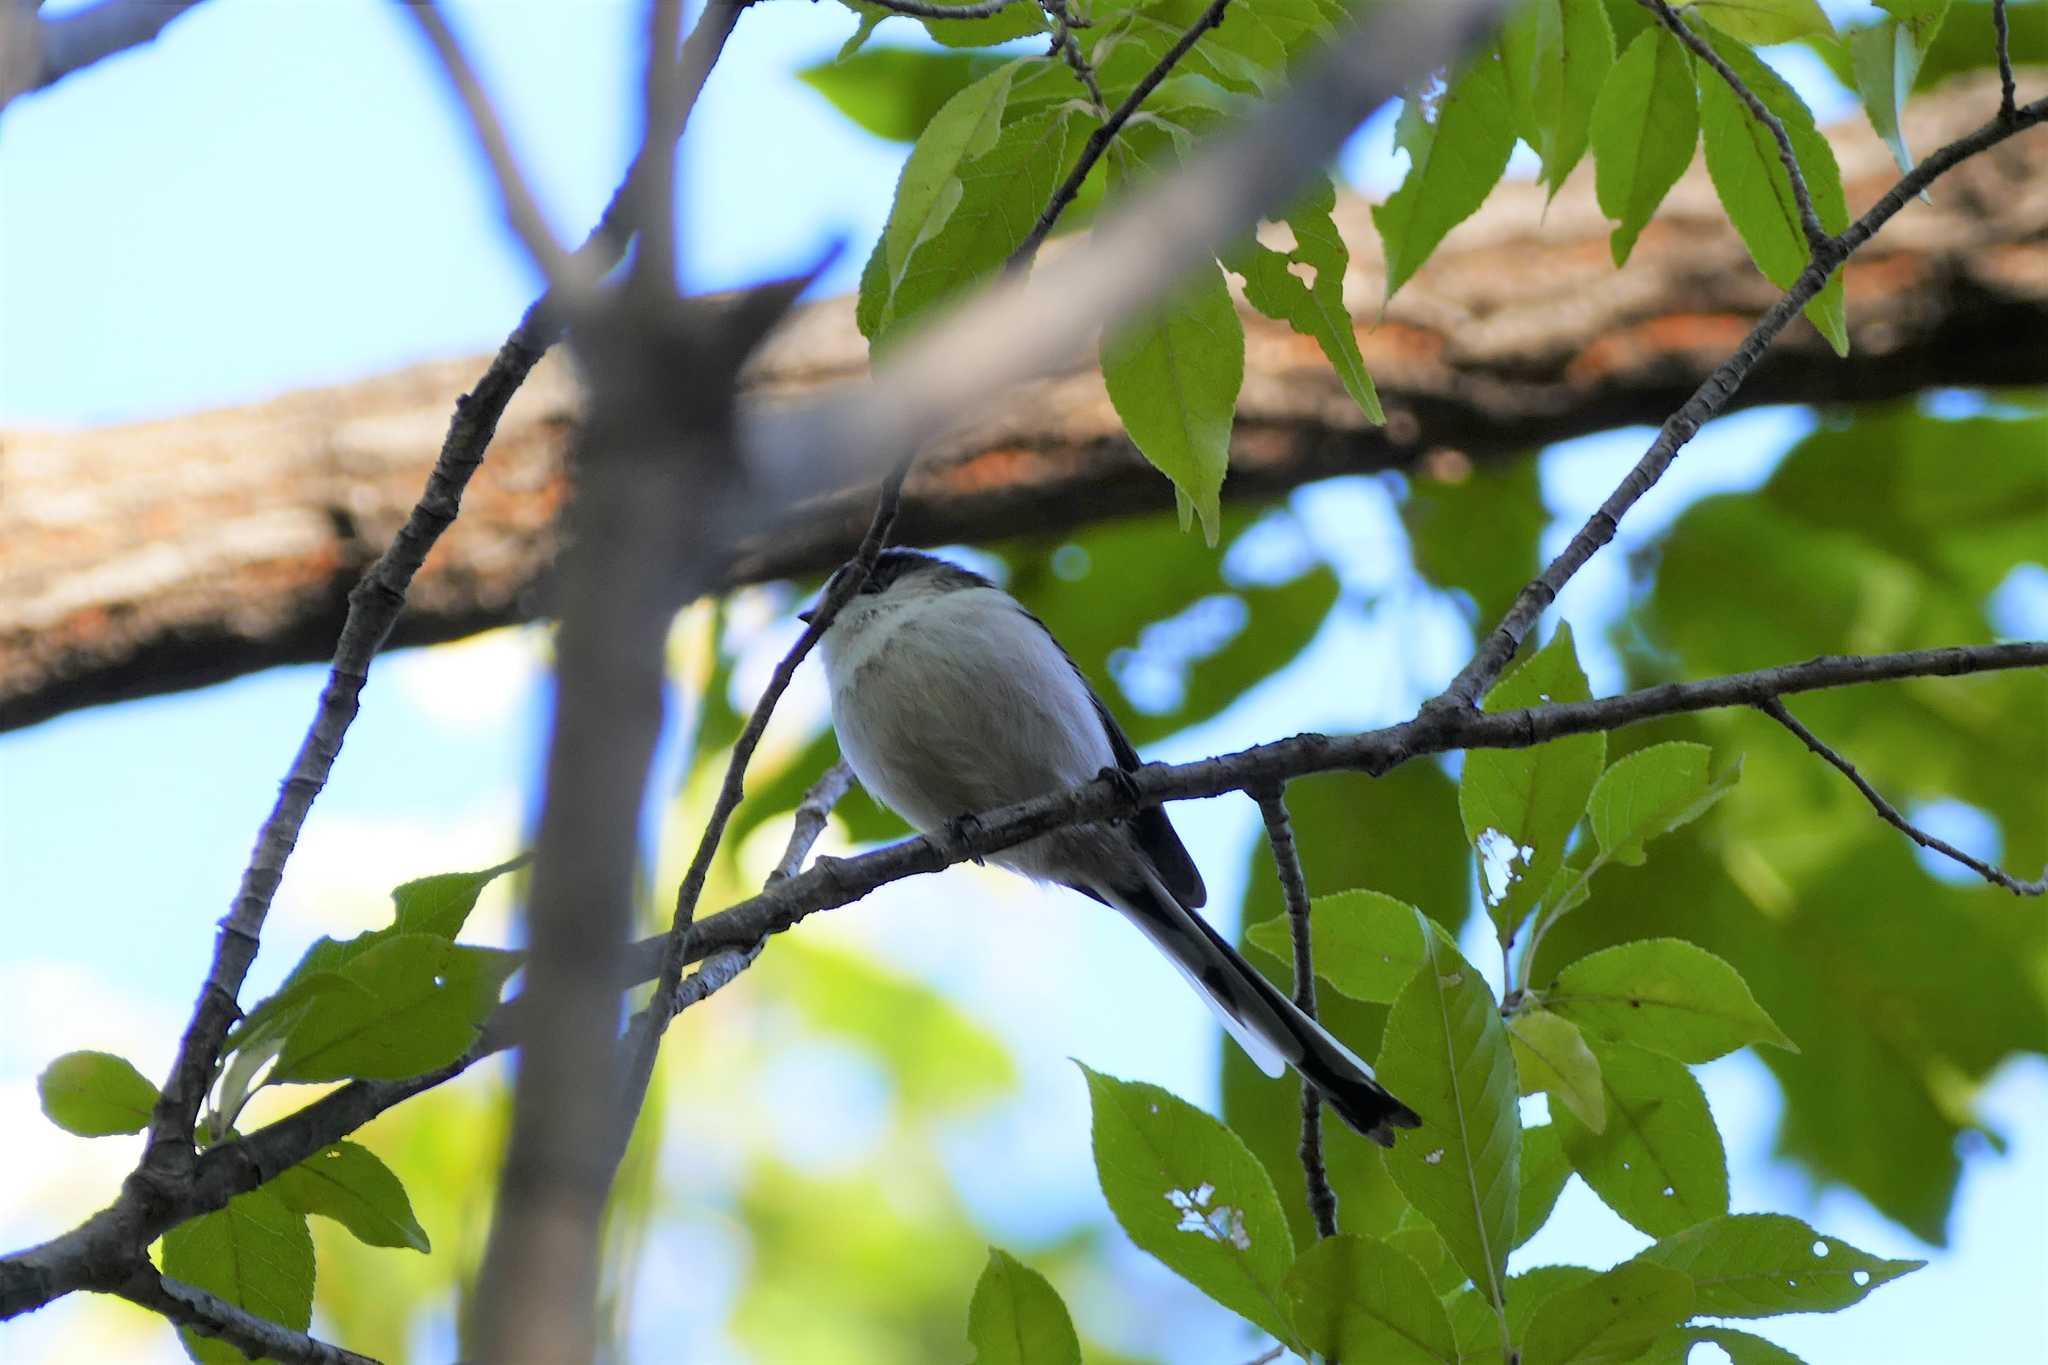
x=1069 y=47
x=522 y=210
x=1775 y=709
x=923 y=9
x=1099 y=140
x=811 y=814
x=209 y=1315
x=1809 y=221
x=1322 y=1200
x=1707 y=401
x=2008 y=93
x=1268 y=1357
x=72 y=42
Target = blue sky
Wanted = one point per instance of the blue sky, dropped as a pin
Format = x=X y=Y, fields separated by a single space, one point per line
x=275 y=196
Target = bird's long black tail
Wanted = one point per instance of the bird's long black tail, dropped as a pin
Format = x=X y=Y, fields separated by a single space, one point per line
x=1270 y=1027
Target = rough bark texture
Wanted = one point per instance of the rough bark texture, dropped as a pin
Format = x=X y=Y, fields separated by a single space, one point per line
x=145 y=558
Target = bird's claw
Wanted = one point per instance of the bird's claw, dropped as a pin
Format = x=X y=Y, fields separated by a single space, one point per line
x=962 y=828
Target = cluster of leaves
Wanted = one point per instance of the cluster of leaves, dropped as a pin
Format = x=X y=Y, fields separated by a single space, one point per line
x=992 y=140
x=388 y=1004
x=1609 y=1037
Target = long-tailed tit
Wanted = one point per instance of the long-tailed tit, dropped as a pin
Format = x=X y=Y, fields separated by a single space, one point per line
x=950 y=698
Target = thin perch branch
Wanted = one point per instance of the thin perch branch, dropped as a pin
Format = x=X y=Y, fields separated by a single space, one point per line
x=2008 y=93
x=72 y=42
x=1322 y=1200
x=922 y=9
x=212 y=1316
x=1775 y=709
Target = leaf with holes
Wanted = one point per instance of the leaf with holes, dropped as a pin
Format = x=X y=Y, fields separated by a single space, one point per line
x=1190 y=1192
x=1367 y=945
x=1659 y=1162
x=255 y=1253
x=1757 y=1265
x=1652 y=792
x=1016 y=1317
x=1173 y=375
x=1743 y=1348
x=1520 y=805
x=415 y=1003
x=1743 y=162
x=1356 y=1298
x=1455 y=159
x=96 y=1094
x=1766 y=21
x=1446 y=1055
x=1646 y=127
x=1666 y=995
x=1609 y=1320
x=348 y=1183
x=1552 y=1057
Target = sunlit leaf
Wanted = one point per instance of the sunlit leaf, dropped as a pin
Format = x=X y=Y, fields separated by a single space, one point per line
x=1650 y=793
x=1757 y=1265
x=1766 y=21
x=1455 y=158
x=1609 y=1320
x=441 y=904
x=1356 y=1298
x=1315 y=307
x=96 y=1094
x=1016 y=1317
x=414 y=1003
x=255 y=1253
x=1666 y=995
x=1190 y=1192
x=893 y=92
x=348 y=1183
x=1646 y=126
x=1555 y=55
x=1545 y=1169
x=1743 y=1348
x=1551 y=1056
x=1659 y=1162
x=1367 y=945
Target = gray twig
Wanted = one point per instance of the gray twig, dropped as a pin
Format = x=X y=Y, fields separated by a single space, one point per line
x=1775 y=709
x=1099 y=140
x=72 y=42
x=923 y=9
x=2008 y=92
x=212 y=1316
x=1706 y=402
x=1809 y=221
x=1322 y=1200
x=1069 y=47
x=811 y=814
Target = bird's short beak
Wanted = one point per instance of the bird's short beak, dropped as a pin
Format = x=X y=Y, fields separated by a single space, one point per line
x=806 y=614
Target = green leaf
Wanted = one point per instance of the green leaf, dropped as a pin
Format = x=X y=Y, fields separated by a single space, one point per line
x=1189 y=1191
x=417 y=1003
x=255 y=1253
x=1743 y=1348
x=1356 y=1298
x=1173 y=376
x=1555 y=54
x=1646 y=125
x=1766 y=21
x=893 y=92
x=1757 y=1265
x=1476 y=528
x=1315 y=308
x=1610 y=1320
x=1367 y=945
x=1923 y=17
x=1017 y=1318
x=1446 y=1055
x=1659 y=1162
x=1652 y=792
x=1416 y=1238
x=1545 y=1169
x=96 y=1094
x=1666 y=995
x=348 y=1183
x=1885 y=59
x=1457 y=152
x=441 y=904
x=1551 y=1056
x=1965 y=41
x=1743 y=161
x=1520 y=805
x=1473 y=1321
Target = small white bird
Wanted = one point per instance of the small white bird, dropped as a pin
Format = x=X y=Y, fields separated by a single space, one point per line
x=950 y=698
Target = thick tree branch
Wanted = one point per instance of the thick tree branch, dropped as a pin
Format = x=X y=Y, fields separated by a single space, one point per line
x=1775 y=709
x=1322 y=1200
x=212 y=1316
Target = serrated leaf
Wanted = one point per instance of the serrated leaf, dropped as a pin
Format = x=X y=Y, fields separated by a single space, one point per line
x=96 y=1094
x=441 y=904
x=1646 y=126
x=348 y=1183
x=1173 y=375
x=1017 y=1318
x=1666 y=995
x=1885 y=61
x=1609 y=1320
x=1743 y=162
x=1555 y=54
x=1757 y=1265
x=1187 y=1190
x=1314 y=308
x=893 y=92
x=1455 y=159
x=1367 y=945
x=1551 y=1056
x=416 y=1004
x=1652 y=792
x=1545 y=1169
x=255 y=1253
x=1446 y=1054
x=1743 y=1348
x=1520 y=805
x=1659 y=1162
x=1357 y=1298
x=1766 y=21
